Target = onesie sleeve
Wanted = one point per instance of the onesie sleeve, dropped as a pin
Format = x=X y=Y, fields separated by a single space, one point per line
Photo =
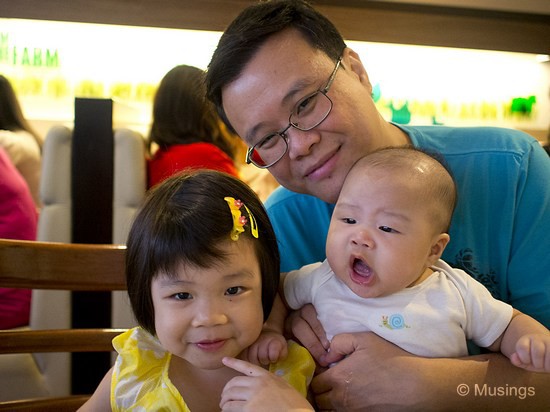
x=486 y=317
x=299 y=286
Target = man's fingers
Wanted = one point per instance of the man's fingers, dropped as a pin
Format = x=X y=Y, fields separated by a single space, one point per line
x=344 y=344
x=307 y=329
x=309 y=314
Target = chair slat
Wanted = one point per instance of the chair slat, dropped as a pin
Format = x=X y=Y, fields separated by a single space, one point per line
x=61 y=266
x=57 y=340
x=58 y=404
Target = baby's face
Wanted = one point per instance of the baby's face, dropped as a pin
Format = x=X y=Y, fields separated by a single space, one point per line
x=380 y=238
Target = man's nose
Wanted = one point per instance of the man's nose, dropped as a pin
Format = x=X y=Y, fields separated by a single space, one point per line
x=301 y=143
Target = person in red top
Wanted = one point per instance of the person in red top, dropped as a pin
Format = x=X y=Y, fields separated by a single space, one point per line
x=18 y=220
x=186 y=131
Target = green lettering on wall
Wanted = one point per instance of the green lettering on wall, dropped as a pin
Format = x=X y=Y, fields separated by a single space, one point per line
x=52 y=60
x=25 y=60
x=4 y=50
x=37 y=58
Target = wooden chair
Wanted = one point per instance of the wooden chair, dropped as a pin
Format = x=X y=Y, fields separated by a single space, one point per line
x=60 y=217
x=59 y=266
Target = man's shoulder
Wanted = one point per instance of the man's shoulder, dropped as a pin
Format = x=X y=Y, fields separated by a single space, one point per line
x=282 y=197
x=450 y=140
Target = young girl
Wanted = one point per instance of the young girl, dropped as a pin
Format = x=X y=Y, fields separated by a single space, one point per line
x=202 y=274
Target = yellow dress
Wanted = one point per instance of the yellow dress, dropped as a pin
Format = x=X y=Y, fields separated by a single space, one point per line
x=140 y=379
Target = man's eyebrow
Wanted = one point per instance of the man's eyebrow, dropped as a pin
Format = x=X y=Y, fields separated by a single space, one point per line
x=296 y=88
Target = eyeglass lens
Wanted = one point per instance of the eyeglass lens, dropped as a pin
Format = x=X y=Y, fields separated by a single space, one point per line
x=307 y=114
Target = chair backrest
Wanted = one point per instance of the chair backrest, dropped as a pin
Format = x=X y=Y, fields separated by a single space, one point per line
x=52 y=309
x=59 y=266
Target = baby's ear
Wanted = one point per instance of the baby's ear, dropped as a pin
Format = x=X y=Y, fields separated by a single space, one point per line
x=438 y=246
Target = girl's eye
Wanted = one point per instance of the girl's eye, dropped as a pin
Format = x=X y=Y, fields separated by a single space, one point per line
x=235 y=290
x=387 y=229
x=349 y=220
x=182 y=296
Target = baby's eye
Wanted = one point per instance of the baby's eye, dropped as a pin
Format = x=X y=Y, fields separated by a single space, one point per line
x=182 y=296
x=235 y=290
x=387 y=229
x=349 y=220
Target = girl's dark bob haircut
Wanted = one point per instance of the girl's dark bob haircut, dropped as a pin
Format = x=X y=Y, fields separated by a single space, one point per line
x=183 y=220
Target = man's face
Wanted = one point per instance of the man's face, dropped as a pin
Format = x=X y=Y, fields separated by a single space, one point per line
x=284 y=71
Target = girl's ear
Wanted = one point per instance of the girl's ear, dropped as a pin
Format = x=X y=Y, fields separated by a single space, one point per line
x=351 y=61
x=439 y=245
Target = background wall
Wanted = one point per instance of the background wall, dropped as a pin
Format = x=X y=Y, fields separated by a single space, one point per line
x=510 y=25
x=51 y=62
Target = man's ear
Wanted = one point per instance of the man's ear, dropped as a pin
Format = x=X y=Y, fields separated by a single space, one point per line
x=352 y=62
x=438 y=246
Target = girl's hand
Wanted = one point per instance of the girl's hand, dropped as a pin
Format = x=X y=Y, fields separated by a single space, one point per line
x=270 y=347
x=259 y=390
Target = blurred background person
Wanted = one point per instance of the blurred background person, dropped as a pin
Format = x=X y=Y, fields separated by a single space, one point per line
x=186 y=132
x=18 y=220
x=18 y=139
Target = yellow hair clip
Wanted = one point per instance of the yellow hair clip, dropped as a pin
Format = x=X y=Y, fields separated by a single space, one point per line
x=239 y=220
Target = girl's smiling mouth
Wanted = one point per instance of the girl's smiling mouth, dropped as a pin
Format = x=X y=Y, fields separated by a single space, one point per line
x=210 y=345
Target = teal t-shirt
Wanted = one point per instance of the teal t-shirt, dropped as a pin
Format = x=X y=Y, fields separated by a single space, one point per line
x=500 y=233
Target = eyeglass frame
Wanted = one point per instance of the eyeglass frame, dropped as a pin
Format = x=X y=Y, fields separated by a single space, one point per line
x=282 y=133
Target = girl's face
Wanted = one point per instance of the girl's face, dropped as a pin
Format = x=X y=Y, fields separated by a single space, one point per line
x=202 y=315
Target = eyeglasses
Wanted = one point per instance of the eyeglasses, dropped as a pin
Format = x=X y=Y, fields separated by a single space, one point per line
x=308 y=113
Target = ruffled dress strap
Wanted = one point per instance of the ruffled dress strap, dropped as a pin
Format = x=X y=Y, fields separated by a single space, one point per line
x=297 y=369
x=140 y=376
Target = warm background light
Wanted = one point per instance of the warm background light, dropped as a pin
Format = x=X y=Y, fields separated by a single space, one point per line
x=440 y=85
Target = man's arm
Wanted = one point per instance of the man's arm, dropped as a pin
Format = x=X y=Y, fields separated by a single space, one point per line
x=378 y=374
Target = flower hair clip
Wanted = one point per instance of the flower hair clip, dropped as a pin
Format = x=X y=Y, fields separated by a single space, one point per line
x=239 y=220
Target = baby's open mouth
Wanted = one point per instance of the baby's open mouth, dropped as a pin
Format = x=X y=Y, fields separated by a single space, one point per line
x=360 y=268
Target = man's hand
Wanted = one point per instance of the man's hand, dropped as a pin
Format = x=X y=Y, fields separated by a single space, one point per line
x=378 y=375
x=341 y=346
x=371 y=375
x=306 y=328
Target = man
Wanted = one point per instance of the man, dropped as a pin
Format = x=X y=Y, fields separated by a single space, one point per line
x=284 y=80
